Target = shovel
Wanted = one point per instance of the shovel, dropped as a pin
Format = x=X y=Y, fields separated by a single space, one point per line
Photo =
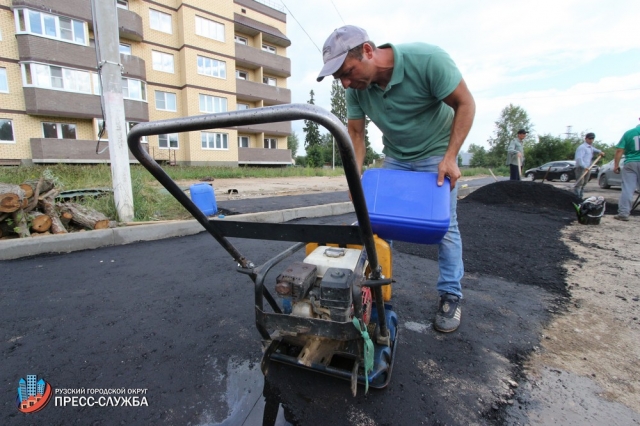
x=588 y=170
x=519 y=168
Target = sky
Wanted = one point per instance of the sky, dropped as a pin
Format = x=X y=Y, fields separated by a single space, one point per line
x=566 y=62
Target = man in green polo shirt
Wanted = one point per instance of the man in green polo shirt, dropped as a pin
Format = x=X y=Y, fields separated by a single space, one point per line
x=629 y=145
x=416 y=96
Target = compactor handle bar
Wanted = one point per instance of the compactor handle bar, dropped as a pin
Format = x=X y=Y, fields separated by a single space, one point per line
x=270 y=114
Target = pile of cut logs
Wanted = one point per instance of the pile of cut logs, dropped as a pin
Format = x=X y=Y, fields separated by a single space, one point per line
x=30 y=209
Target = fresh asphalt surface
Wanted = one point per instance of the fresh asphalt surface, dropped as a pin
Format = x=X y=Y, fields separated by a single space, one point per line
x=174 y=317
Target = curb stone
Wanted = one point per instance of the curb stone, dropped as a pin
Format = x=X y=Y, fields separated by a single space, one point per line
x=66 y=243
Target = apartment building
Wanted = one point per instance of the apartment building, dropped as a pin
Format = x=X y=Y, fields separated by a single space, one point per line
x=179 y=58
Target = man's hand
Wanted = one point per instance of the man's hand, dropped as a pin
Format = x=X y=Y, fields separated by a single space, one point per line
x=448 y=168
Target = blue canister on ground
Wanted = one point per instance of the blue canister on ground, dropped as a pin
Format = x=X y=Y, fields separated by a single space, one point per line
x=407 y=206
x=202 y=196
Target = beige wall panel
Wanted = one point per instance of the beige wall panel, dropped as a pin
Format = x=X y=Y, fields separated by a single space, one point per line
x=24 y=128
x=15 y=98
x=8 y=45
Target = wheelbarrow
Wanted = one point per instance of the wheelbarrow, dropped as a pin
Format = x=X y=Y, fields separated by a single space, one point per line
x=330 y=312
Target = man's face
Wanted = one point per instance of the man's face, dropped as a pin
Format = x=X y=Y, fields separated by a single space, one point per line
x=354 y=74
x=521 y=136
x=589 y=140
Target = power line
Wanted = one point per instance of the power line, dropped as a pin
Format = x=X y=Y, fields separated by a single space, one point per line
x=334 y=6
x=305 y=31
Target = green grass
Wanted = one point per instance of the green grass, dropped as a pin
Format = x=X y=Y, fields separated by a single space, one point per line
x=149 y=202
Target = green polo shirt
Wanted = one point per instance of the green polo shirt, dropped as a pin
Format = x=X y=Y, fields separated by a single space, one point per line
x=630 y=142
x=414 y=121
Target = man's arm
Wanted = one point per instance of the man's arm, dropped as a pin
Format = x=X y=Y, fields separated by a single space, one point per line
x=356 y=132
x=464 y=109
x=616 y=160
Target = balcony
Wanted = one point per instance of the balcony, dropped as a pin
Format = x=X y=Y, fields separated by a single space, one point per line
x=252 y=91
x=263 y=156
x=41 y=49
x=78 y=9
x=134 y=67
x=276 y=129
x=130 y=24
x=251 y=27
x=57 y=103
x=70 y=151
x=251 y=58
x=262 y=8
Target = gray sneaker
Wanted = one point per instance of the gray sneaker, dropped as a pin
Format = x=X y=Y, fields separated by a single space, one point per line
x=448 y=315
x=622 y=218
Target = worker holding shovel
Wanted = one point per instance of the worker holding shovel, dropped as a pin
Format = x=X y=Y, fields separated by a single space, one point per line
x=515 y=155
x=583 y=157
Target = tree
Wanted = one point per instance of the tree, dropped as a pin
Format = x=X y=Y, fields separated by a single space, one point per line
x=550 y=148
x=338 y=101
x=512 y=118
x=369 y=154
x=293 y=144
x=478 y=156
x=312 y=140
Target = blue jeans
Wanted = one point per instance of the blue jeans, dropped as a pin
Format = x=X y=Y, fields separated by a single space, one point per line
x=450 y=248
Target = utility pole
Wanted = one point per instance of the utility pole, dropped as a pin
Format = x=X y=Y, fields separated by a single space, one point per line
x=568 y=134
x=105 y=30
x=333 y=152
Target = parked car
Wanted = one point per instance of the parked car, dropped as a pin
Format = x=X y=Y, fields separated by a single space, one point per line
x=606 y=177
x=563 y=171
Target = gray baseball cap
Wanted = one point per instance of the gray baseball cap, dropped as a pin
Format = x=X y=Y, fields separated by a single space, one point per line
x=335 y=49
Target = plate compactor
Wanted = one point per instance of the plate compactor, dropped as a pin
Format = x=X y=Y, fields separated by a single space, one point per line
x=329 y=312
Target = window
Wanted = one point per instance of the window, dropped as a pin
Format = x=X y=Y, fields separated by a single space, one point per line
x=97 y=87
x=243 y=141
x=165 y=101
x=271 y=143
x=134 y=89
x=269 y=49
x=59 y=130
x=130 y=125
x=241 y=107
x=51 y=26
x=209 y=29
x=242 y=75
x=50 y=77
x=125 y=49
x=122 y=4
x=160 y=21
x=169 y=141
x=214 y=140
x=241 y=40
x=101 y=126
x=270 y=81
x=212 y=67
x=4 y=84
x=212 y=104
x=162 y=61
x=6 y=130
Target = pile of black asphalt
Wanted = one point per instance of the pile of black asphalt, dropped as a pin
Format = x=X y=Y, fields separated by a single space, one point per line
x=511 y=230
x=173 y=317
